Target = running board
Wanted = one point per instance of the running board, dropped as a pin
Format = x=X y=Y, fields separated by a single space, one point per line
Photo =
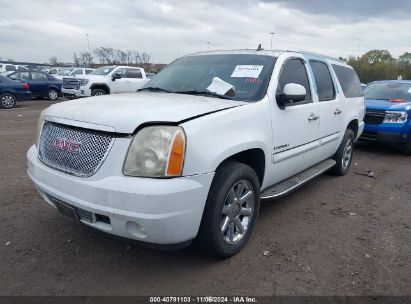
x=286 y=186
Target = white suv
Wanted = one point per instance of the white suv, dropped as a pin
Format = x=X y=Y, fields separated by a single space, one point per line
x=191 y=155
x=105 y=80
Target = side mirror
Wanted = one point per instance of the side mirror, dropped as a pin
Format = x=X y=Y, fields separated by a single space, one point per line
x=292 y=92
x=116 y=76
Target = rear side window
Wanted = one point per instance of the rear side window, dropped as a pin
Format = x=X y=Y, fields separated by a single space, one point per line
x=77 y=72
x=349 y=81
x=10 y=68
x=294 y=72
x=134 y=73
x=323 y=80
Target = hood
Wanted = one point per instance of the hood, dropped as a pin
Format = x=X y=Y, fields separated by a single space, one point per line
x=386 y=105
x=125 y=112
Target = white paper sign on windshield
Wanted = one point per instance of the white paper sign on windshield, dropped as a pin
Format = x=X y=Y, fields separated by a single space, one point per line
x=251 y=71
x=219 y=86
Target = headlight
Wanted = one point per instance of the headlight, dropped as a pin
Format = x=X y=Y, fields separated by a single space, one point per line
x=156 y=151
x=83 y=82
x=39 y=127
x=395 y=117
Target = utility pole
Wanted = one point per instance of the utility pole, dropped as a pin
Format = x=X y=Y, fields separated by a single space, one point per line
x=272 y=34
x=88 y=43
x=89 y=54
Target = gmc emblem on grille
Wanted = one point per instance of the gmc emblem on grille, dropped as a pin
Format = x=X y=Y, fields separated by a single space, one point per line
x=67 y=145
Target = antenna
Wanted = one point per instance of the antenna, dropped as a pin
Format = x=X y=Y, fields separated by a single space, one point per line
x=259 y=48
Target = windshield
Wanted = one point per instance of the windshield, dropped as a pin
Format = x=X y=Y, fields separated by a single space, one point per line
x=388 y=91
x=64 y=72
x=105 y=70
x=243 y=77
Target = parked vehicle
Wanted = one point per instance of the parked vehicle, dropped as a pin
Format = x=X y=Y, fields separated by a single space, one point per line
x=75 y=72
x=191 y=154
x=41 y=84
x=106 y=80
x=5 y=67
x=12 y=91
x=388 y=115
x=150 y=75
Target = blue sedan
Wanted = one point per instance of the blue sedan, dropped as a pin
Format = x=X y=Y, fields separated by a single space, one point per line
x=12 y=91
x=41 y=84
x=388 y=116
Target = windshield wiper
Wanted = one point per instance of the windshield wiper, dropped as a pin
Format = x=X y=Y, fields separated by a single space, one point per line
x=206 y=93
x=154 y=89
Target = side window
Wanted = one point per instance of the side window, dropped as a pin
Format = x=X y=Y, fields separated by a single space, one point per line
x=294 y=72
x=134 y=73
x=38 y=76
x=10 y=67
x=15 y=76
x=89 y=71
x=323 y=80
x=122 y=72
x=77 y=72
x=350 y=83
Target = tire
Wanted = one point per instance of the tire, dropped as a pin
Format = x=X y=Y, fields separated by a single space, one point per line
x=7 y=101
x=98 y=92
x=344 y=154
x=220 y=233
x=52 y=95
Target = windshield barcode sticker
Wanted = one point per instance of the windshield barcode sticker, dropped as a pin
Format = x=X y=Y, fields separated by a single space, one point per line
x=252 y=71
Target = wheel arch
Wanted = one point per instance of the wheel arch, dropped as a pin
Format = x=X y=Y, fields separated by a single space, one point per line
x=253 y=157
x=354 y=126
x=101 y=86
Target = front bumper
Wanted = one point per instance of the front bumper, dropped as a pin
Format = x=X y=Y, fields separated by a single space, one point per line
x=392 y=134
x=157 y=211
x=73 y=93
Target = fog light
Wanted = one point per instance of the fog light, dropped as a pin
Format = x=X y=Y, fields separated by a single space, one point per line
x=136 y=229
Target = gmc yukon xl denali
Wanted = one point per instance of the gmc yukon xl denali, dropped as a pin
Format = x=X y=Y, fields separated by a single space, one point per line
x=190 y=156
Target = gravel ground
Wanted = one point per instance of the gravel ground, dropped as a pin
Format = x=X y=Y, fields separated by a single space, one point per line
x=335 y=236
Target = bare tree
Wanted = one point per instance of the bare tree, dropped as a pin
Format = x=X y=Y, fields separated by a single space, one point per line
x=86 y=59
x=54 y=61
x=145 y=57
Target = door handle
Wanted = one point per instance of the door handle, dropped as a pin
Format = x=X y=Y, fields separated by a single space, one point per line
x=313 y=117
x=337 y=111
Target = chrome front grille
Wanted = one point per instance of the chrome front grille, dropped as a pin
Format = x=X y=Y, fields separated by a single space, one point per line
x=71 y=83
x=73 y=150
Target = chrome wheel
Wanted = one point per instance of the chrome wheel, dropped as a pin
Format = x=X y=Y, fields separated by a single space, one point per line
x=237 y=212
x=53 y=95
x=99 y=94
x=347 y=153
x=7 y=101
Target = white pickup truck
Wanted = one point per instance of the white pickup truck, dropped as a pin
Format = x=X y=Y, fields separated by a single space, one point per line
x=105 y=80
x=191 y=155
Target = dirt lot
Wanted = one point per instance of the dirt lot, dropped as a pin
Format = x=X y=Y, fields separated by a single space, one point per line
x=334 y=236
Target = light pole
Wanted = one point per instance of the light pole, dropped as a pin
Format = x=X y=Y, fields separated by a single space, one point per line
x=272 y=34
x=88 y=43
x=208 y=45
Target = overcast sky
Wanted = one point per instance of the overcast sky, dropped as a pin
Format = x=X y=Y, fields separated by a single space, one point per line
x=36 y=30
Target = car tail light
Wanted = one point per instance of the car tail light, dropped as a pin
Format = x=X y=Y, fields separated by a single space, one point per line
x=26 y=86
x=397 y=100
